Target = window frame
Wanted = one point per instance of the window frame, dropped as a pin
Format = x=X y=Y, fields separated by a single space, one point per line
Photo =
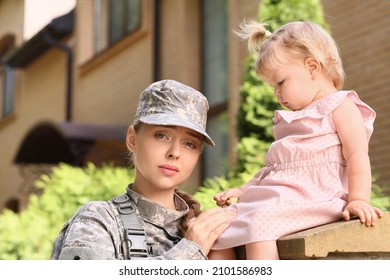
x=101 y=54
x=8 y=91
x=125 y=22
x=7 y=80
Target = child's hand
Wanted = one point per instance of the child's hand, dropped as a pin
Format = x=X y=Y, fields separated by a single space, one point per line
x=367 y=214
x=223 y=198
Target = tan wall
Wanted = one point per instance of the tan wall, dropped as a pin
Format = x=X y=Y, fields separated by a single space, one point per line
x=107 y=85
x=362 y=30
x=40 y=97
x=180 y=41
x=11 y=23
x=11 y=18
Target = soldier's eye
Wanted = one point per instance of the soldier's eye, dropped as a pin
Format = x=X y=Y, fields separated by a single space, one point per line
x=190 y=145
x=161 y=136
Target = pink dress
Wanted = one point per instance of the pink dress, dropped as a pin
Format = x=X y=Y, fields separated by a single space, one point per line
x=304 y=182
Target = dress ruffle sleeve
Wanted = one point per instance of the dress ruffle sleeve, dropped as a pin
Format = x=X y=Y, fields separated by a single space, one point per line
x=326 y=106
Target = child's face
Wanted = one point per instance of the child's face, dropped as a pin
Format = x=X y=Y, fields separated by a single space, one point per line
x=164 y=156
x=293 y=85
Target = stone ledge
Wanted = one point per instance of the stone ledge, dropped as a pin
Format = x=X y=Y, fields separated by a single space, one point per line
x=339 y=240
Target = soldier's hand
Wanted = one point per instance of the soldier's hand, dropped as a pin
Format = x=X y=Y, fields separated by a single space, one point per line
x=208 y=226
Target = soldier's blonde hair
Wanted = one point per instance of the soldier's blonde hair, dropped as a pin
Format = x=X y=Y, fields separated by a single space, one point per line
x=295 y=40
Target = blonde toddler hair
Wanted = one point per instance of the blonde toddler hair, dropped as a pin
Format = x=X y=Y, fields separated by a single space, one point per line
x=295 y=40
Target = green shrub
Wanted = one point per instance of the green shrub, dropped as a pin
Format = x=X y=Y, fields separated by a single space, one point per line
x=378 y=197
x=30 y=234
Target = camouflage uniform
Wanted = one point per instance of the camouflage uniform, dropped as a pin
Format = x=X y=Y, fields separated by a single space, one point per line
x=93 y=232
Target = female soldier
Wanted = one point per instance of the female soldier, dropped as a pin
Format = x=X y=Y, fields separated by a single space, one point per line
x=166 y=141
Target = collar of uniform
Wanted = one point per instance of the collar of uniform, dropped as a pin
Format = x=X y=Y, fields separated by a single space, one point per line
x=157 y=214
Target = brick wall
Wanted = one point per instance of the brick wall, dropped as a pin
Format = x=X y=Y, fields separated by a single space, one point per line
x=362 y=30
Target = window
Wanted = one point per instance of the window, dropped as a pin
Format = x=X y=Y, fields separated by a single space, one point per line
x=215 y=84
x=7 y=91
x=7 y=79
x=115 y=19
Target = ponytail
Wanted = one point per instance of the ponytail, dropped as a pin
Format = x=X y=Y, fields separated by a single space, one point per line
x=255 y=32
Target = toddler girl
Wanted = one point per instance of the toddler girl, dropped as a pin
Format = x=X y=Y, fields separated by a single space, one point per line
x=317 y=169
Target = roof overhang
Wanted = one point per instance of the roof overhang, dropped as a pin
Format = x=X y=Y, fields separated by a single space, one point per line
x=75 y=144
x=57 y=29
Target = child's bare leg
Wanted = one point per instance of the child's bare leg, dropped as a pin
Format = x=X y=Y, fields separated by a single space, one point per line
x=264 y=250
x=225 y=254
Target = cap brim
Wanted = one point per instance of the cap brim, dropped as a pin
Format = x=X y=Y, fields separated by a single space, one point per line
x=166 y=119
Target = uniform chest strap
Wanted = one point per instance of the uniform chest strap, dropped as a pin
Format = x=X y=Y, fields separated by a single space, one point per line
x=134 y=234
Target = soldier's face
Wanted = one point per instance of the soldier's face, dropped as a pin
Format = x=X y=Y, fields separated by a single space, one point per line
x=164 y=156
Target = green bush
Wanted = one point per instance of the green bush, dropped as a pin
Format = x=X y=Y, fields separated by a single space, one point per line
x=30 y=234
x=378 y=197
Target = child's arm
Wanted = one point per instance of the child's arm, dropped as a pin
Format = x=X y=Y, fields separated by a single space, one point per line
x=349 y=125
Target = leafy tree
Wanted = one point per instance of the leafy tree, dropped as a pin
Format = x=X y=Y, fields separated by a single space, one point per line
x=30 y=234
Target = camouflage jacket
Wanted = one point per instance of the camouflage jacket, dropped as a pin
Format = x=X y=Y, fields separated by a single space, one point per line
x=93 y=232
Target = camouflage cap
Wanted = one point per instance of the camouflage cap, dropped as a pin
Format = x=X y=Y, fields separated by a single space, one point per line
x=169 y=102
